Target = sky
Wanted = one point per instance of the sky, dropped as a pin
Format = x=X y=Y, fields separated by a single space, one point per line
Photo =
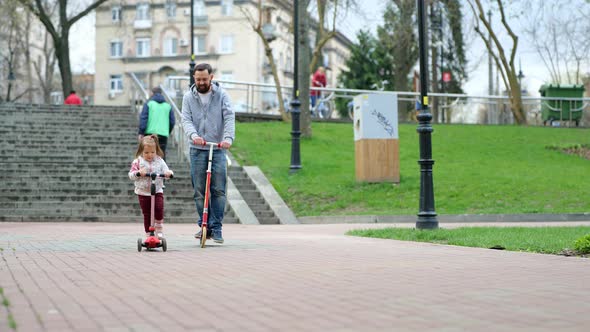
x=82 y=47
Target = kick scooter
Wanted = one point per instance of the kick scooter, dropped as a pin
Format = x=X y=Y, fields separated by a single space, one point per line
x=204 y=234
x=152 y=241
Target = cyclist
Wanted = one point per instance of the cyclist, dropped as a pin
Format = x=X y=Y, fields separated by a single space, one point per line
x=317 y=80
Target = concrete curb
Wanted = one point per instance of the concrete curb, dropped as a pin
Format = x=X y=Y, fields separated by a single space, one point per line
x=459 y=218
x=271 y=196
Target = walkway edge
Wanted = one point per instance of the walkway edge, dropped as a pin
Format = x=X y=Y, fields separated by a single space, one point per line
x=459 y=218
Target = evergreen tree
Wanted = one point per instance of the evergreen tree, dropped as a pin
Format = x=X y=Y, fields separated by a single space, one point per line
x=363 y=67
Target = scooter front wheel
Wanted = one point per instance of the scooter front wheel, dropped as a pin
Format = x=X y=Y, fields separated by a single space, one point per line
x=139 y=244
x=203 y=236
x=164 y=246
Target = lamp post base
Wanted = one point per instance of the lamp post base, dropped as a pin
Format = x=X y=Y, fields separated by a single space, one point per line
x=427 y=220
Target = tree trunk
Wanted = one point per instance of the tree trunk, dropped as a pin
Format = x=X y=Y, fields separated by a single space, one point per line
x=516 y=101
x=434 y=84
x=62 y=51
x=275 y=75
x=304 y=69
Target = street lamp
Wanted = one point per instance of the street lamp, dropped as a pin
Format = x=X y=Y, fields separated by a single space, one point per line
x=191 y=64
x=295 y=103
x=427 y=214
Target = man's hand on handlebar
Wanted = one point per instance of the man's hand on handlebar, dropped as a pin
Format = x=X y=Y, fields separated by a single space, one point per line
x=225 y=145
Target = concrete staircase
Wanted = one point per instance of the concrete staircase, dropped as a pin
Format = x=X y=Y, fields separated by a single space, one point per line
x=252 y=196
x=61 y=163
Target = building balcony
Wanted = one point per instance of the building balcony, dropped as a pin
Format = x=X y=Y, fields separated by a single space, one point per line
x=201 y=21
x=142 y=24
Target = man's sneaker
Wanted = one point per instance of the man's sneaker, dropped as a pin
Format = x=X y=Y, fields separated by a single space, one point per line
x=217 y=237
x=200 y=233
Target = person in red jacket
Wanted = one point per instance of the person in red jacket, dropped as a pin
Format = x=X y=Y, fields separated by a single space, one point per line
x=318 y=80
x=73 y=99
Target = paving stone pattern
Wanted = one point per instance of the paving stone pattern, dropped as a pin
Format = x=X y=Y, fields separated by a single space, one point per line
x=80 y=276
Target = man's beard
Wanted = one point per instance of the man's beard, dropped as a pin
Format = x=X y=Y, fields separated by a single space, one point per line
x=203 y=88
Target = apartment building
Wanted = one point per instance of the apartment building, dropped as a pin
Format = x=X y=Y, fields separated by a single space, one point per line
x=152 y=39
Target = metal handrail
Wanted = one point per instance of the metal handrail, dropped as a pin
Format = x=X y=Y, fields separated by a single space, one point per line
x=178 y=136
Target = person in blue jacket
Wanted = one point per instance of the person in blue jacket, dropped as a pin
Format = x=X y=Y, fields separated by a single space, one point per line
x=157 y=118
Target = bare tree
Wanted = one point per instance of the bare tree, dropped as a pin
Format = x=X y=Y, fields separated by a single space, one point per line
x=505 y=63
x=60 y=33
x=559 y=33
x=257 y=26
x=14 y=50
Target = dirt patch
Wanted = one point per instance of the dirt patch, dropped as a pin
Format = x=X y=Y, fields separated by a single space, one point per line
x=580 y=150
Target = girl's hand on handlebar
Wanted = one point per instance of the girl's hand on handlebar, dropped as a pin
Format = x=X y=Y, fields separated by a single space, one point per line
x=142 y=171
x=169 y=174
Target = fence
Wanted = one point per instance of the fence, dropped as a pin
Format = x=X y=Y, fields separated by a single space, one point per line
x=262 y=98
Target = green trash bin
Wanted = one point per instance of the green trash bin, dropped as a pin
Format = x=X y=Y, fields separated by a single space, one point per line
x=556 y=109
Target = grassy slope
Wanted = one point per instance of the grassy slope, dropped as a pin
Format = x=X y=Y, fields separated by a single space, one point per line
x=478 y=169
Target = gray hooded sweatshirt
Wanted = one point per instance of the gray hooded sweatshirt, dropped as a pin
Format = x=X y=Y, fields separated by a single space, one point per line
x=214 y=122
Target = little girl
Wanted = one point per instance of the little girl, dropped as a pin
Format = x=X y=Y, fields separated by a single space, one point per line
x=148 y=159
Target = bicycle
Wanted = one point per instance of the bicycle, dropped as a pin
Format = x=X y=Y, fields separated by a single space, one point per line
x=324 y=107
x=322 y=110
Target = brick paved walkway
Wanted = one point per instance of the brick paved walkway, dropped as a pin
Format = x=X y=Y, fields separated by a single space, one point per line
x=90 y=277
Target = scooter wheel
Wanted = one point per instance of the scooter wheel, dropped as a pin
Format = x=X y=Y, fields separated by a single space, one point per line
x=203 y=236
x=139 y=245
x=164 y=246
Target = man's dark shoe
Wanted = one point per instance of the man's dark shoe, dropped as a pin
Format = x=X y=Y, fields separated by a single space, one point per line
x=217 y=237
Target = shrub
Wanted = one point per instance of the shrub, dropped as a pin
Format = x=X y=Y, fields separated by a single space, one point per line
x=582 y=245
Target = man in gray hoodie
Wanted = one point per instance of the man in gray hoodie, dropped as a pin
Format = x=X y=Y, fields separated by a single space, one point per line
x=207 y=116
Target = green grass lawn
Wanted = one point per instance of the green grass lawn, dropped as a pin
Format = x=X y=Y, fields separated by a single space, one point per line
x=477 y=170
x=547 y=240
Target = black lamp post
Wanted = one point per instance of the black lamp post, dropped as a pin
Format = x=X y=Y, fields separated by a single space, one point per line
x=426 y=215
x=295 y=103
x=191 y=64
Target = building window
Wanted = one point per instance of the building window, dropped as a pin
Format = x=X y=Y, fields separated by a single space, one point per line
x=326 y=60
x=199 y=8
x=143 y=11
x=289 y=61
x=170 y=46
x=142 y=78
x=200 y=44
x=226 y=44
x=116 y=83
x=116 y=13
x=227 y=7
x=227 y=75
x=116 y=49
x=142 y=47
x=170 y=8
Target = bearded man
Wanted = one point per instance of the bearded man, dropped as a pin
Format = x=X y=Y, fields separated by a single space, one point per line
x=207 y=116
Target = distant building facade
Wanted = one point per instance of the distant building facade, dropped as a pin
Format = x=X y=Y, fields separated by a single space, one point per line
x=152 y=40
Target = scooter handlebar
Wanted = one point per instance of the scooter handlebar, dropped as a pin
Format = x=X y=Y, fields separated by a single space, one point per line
x=154 y=175
x=211 y=143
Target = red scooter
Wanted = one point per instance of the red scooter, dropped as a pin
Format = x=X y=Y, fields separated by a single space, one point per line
x=152 y=241
x=204 y=234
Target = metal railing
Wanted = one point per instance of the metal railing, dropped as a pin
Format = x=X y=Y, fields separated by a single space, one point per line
x=261 y=98
x=139 y=96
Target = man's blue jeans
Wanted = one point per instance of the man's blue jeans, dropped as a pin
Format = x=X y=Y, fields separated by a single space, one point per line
x=217 y=197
